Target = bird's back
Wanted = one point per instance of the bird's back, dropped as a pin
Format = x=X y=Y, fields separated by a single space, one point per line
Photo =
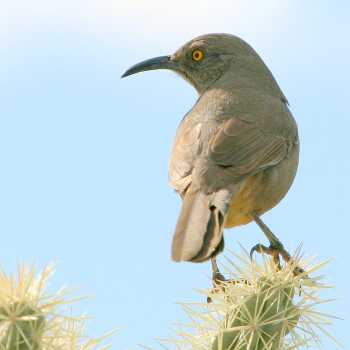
x=195 y=134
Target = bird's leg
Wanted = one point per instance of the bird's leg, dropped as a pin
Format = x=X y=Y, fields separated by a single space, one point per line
x=275 y=249
x=217 y=278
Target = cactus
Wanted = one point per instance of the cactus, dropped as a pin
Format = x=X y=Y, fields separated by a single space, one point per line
x=261 y=320
x=32 y=319
x=22 y=326
x=259 y=307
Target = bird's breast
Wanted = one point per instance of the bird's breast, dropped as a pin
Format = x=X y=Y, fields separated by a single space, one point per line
x=262 y=191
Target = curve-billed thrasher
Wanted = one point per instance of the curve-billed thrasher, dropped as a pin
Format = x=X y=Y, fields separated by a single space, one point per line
x=236 y=151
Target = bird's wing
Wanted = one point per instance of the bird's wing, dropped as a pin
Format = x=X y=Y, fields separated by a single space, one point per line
x=244 y=147
x=184 y=153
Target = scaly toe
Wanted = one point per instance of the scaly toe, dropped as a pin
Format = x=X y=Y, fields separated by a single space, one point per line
x=275 y=251
x=260 y=248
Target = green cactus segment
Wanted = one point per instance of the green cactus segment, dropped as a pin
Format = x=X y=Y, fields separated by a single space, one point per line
x=33 y=319
x=21 y=327
x=257 y=307
x=260 y=321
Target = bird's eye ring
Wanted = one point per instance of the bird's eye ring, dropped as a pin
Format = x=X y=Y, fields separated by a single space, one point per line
x=197 y=55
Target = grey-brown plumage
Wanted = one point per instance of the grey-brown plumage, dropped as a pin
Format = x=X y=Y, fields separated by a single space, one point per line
x=235 y=153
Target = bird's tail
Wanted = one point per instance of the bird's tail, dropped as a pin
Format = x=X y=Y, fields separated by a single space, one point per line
x=199 y=230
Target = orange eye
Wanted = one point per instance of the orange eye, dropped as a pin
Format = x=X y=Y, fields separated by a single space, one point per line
x=197 y=55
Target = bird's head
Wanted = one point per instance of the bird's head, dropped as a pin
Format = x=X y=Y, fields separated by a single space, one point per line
x=206 y=59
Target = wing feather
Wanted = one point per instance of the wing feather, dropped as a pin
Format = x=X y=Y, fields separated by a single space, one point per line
x=243 y=147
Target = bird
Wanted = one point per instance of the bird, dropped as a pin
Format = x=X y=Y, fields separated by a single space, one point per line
x=236 y=151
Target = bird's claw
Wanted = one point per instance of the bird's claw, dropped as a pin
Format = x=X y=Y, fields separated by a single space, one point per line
x=276 y=250
x=218 y=278
x=218 y=284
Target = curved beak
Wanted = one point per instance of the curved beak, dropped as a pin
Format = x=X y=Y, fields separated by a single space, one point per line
x=162 y=62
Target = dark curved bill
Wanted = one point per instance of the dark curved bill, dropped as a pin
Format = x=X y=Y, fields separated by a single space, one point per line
x=162 y=62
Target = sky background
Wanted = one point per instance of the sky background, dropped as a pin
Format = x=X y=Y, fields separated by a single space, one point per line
x=84 y=154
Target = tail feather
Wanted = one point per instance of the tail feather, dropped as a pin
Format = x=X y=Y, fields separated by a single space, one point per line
x=199 y=230
x=213 y=242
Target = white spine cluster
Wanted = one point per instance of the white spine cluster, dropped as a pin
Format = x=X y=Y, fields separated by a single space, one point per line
x=258 y=308
x=32 y=319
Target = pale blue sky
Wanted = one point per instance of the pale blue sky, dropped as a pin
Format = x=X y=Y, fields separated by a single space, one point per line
x=84 y=154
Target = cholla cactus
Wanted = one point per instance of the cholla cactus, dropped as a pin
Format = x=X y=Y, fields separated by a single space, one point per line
x=30 y=318
x=258 y=308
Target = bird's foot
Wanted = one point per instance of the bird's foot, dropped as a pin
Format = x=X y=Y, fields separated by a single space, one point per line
x=217 y=278
x=276 y=250
x=220 y=283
